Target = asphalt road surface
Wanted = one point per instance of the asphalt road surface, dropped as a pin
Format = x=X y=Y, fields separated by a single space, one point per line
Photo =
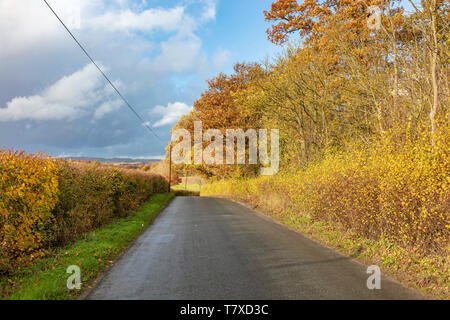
x=216 y=249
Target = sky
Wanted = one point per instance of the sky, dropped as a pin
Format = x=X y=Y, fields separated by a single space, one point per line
x=159 y=53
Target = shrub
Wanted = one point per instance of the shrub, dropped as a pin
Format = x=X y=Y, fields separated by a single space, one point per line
x=396 y=189
x=90 y=195
x=28 y=194
x=46 y=203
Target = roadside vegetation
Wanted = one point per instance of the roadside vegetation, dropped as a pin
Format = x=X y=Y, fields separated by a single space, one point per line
x=46 y=204
x=187 y=191
x=363 y=115
x=46 y=278
x=386 y=207
x=189 y=187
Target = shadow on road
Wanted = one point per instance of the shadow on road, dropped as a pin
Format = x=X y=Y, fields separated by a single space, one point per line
x=186 y=193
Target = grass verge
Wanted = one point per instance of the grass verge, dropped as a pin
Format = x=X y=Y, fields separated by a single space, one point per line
x=427 y=274
x=46 y=278
x=186 y=191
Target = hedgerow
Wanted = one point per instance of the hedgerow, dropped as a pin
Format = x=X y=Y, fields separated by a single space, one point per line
x=45 y=203
x=28 y=194
x=395 y=190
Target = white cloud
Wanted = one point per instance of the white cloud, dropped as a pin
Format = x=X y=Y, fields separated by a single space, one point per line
x=171 y=114
x=148 y=20
x=27 y=23
x=179 y=54
x=21 y=22
x=107 y=108
x=209 y=12
x=221 y=58
x=70 y=97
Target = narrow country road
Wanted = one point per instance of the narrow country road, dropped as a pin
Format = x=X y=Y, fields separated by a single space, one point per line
x=207 y=248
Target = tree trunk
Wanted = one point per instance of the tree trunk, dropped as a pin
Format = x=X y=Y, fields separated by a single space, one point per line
x=434 y=80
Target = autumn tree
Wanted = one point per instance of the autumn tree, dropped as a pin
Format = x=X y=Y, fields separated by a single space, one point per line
x=343 y=82
x=310 y=18
x=216 y=109
x=406 y=51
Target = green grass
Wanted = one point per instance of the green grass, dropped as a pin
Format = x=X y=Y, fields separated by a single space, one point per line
x=46 y=278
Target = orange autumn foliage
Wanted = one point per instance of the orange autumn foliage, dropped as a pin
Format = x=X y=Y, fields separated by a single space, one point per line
x=310 y=18
x=29 y=185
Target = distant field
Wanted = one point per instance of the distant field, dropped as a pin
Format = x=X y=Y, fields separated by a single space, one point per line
x=189 y=187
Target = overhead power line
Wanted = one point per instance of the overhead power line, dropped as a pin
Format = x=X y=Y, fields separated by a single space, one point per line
x=144 y=123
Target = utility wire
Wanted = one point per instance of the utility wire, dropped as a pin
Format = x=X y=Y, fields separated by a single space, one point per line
x=144 y=123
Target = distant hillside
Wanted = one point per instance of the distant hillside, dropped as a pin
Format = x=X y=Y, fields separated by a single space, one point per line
x=111 y=160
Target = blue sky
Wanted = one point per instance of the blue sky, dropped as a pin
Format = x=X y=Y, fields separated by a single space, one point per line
x=158 y=52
